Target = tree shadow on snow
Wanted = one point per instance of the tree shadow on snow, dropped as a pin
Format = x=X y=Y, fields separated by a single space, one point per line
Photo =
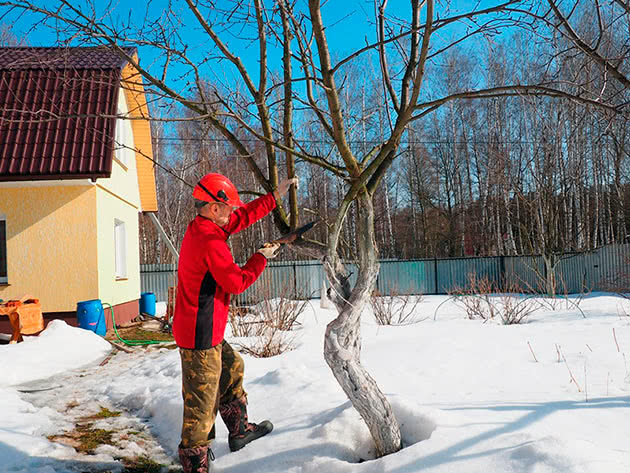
x=290 y=458
x=354 y=446
x=534 y=412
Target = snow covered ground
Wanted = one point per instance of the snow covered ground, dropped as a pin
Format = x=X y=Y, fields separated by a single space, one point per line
x=551 y=395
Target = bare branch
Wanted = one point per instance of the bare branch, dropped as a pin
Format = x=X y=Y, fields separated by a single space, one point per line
x=591 y=52
x=334 y=104
x=438 y=24
x=306 y=58
x=387 y=82
x=258 y=95
x=625 y=5
x=287 y=125
x=512 y=91
x=339 y=171
x=413 y=53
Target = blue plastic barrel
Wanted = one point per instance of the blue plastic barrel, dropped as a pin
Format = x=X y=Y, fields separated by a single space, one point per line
x=147 y=303
x=91 y=317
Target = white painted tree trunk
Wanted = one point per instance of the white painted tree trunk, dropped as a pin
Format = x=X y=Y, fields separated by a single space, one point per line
x=342 y=344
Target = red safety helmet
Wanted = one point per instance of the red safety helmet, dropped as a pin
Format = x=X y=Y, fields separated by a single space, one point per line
x=215 y=187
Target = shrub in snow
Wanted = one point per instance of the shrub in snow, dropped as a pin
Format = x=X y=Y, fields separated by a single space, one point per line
x=482 y=300
x=266 y=326
x=395 y=309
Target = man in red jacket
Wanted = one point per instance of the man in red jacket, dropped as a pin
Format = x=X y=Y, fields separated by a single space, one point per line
x=212 y=372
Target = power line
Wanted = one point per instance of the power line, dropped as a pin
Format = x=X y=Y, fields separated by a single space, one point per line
x=369 y=142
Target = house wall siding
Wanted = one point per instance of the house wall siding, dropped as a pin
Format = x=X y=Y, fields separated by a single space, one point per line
x=123 y=181
x=51 y=244
x=111 y=290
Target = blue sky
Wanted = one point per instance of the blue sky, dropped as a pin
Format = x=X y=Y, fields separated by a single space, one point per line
x=348 y=22
x=349 y=28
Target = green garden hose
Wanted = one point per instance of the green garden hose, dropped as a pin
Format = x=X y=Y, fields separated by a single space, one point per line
x=131 y=343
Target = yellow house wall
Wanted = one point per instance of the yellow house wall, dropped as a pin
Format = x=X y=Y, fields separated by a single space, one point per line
x=51 y=245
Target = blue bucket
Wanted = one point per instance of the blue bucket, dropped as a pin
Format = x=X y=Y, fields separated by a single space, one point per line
x=91 y=317
x=147 y=303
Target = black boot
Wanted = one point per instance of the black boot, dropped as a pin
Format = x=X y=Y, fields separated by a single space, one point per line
x=234 y=414
x=196 y=459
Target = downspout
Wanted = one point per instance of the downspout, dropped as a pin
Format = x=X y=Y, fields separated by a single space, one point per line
x=163 y=235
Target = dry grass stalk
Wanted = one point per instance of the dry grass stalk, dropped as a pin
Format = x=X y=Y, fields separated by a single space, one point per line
x=533 y=354
x=585 y=384
x=271 y=343
x=244 y=322
x=616 y=342
x=558 y=353
x=573 y=380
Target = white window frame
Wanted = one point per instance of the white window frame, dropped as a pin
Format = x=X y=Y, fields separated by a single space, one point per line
x=120 y=249
x=123 y=138
x=4 y=278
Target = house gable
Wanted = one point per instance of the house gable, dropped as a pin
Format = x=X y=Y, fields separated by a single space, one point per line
x=139 y=114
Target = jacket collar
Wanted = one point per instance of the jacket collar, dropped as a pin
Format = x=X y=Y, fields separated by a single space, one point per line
x=206 y=219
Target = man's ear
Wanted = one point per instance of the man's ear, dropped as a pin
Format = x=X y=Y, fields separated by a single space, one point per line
x=206 y=209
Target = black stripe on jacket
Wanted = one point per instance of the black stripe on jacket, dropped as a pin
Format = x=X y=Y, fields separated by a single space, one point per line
x=205 y=313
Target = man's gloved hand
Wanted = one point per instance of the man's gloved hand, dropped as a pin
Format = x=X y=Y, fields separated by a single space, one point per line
x=269 y=250
x=283 y=187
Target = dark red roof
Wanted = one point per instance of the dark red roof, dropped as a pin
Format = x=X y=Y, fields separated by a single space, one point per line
x=57 y=113
x=61 y=58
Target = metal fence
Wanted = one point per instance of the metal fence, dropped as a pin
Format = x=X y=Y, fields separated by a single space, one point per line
x=574 y=273
x=157 y=278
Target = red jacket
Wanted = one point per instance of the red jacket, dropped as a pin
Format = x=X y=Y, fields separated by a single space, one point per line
x=207 y=275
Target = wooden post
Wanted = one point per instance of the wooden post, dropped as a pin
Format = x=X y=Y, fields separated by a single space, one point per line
x=170 y=304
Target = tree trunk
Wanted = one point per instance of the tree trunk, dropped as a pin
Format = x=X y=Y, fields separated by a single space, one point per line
x=342 y=344
x=391 y=242
x=550 y=278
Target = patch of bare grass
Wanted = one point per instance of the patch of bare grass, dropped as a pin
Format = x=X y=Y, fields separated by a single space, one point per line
x=84 y=438
x=142 y=464
x=139 y=333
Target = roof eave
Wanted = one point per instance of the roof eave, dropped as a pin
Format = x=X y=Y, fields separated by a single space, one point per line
x=51 y=177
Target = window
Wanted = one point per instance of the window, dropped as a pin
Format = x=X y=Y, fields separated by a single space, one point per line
x=3 y=250
x=123 y=146
x=120 y=242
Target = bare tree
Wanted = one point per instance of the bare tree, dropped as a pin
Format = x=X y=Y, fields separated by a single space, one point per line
x=7 y=37
x=608 y=46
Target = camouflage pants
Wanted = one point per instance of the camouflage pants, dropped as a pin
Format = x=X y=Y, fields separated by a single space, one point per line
x=209 y=378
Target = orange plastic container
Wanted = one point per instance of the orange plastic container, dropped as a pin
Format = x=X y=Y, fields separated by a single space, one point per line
x=25 y=316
